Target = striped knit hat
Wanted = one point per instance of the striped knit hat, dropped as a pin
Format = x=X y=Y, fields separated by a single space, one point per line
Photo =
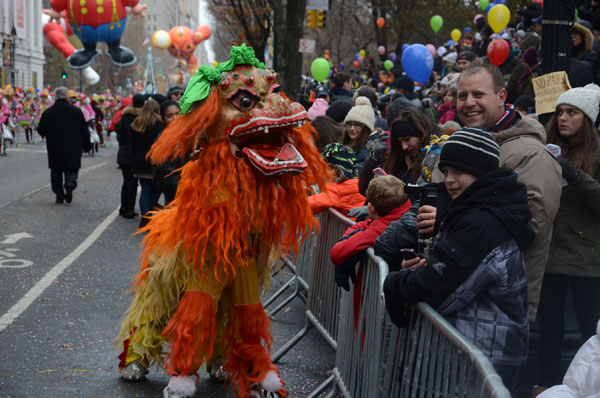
x=341 y=156
x=472 y=150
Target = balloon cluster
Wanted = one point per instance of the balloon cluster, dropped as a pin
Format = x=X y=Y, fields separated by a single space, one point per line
x=417 y=59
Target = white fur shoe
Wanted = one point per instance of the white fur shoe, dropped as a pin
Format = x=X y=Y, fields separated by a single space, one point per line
x=271 y=382
x=180 y=387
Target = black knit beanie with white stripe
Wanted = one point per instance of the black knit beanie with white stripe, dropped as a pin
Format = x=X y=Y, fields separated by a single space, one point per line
x=472 y=150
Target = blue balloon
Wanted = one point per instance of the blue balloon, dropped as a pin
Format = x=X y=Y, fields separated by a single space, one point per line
x=499 y=1
x=489 y=8
x=417 y=62
x=405 y=46
x=450 y=43
x=356 y=56
x=393 y=57
x=342 y=65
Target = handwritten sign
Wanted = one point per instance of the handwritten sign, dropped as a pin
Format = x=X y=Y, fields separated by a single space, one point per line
x=547 y=89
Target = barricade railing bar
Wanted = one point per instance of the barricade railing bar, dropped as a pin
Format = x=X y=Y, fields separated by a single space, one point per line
x=299 y=280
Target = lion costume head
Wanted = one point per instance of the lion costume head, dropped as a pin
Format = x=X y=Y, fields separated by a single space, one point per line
x=252 y=164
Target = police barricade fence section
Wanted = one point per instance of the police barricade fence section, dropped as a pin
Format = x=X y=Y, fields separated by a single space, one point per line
x=374 y=358
x=429 y=358
x=323 y=306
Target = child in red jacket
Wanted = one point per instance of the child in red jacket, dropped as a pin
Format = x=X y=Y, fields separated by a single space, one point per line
x=387 y=202
x=341 y=194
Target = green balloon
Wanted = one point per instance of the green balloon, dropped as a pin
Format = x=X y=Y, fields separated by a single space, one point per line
x=320 y=69
x=436 y=23
x=388 y=64
x=483 y=4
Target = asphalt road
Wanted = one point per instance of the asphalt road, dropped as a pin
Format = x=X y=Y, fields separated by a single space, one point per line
x=65 y=272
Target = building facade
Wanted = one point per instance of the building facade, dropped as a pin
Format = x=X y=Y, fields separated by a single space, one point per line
x=21 y=27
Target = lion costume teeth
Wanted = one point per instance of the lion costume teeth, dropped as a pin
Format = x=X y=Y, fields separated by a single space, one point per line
x=242 y=194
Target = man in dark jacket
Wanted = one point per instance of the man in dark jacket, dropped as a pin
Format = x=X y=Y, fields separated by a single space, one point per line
x=66 y=133
x=125 y=156
x=342 y=88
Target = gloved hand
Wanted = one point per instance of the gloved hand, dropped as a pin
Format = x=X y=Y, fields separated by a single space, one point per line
x=359 y=212
x=569 y=172
x=343 y=272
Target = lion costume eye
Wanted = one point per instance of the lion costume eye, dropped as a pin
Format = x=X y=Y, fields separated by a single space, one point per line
x=243 y=99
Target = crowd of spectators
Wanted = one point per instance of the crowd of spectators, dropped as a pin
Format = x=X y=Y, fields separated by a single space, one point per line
x=514 y=221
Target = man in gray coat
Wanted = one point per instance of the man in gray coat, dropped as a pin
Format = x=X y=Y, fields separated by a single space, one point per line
x=481 y=103
x=66 y=133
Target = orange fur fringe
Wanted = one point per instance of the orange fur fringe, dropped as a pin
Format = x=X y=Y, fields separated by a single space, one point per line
x=248 y=359
x=192 y=331
x=179 y=136
x=221 y=200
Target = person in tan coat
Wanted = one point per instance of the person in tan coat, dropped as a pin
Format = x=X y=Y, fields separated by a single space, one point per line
x=481 y=103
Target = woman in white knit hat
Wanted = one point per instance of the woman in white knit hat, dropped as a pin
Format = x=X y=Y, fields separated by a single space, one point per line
x=574 y=255
x=359 y=122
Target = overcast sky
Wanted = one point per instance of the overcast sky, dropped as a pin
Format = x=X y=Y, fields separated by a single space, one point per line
x=205 y=19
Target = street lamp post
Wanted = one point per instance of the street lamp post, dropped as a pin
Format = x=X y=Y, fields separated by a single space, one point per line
x=13 y=34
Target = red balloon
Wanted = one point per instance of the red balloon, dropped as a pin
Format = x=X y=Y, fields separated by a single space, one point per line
x=380 y=22
x=497 y=51
x=355 y=64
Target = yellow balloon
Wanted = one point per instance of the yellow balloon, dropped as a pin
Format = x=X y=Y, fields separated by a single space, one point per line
x=362 y=53
x=455 y=35
x=161 y=39
x=215 y=63
x=498 y=17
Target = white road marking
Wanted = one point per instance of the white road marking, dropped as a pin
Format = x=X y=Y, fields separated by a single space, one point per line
x=16 y=310
x=81 y=172
x=14 y=238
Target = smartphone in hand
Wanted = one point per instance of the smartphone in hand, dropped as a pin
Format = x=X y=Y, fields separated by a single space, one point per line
x=408 y=254
x=379 y=172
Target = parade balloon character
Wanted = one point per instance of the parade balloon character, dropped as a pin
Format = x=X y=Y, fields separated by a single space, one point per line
x=56 y=33
x=242 y=195
x=181 y=42
x=93 y=21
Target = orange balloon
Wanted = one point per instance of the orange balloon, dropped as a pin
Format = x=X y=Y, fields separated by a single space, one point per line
x=380 y=22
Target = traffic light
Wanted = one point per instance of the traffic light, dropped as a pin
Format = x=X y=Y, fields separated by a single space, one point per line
x=320 y=18
x=311 y=19
x=63 y=74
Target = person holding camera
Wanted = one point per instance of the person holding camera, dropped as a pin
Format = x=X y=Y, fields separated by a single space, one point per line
x=474 y=274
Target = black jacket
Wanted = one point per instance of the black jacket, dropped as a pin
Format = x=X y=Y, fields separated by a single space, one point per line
x=66 y=133
x=141 y=145
x=492 y=211
x=124 y=136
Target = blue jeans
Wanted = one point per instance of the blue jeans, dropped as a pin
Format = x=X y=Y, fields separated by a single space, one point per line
x=149 y=196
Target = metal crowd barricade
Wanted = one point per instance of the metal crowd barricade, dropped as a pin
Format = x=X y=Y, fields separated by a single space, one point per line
x=299 y=280
x=430 y=358
x=323 y=303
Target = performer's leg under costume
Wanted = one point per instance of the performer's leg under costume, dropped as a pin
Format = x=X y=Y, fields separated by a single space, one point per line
x=192 y=329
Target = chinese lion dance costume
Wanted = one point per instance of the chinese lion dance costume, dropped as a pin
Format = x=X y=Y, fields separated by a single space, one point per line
x=242 y=194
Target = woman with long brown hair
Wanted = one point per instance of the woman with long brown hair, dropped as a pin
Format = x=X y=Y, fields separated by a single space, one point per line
x=574 y=255
x=410 y=132
x=146 y=127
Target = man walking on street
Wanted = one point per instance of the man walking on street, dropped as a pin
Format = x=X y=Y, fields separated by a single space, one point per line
x=64 y=128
